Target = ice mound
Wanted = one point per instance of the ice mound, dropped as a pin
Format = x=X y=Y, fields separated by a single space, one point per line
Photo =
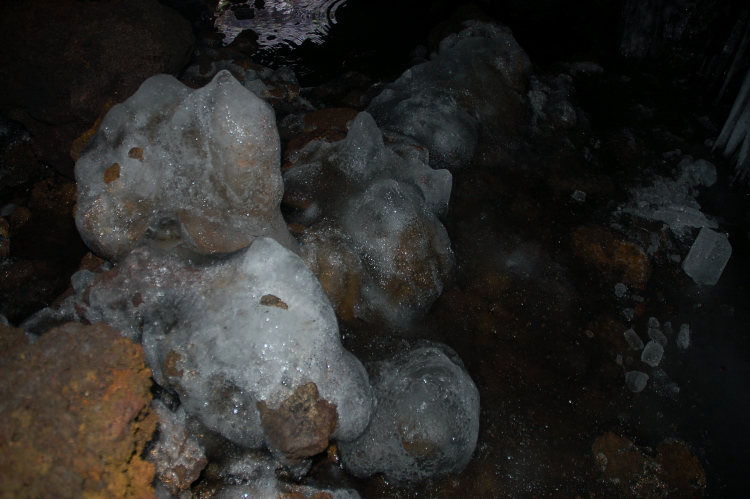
x=239 y=338
x=369 y=217
x=208 y=159
x=426 y=421
x=468 y=92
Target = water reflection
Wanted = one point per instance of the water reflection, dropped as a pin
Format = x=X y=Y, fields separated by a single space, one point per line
x=277 y=22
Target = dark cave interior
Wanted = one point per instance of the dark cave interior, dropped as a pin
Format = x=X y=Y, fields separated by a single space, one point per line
x=555 y=253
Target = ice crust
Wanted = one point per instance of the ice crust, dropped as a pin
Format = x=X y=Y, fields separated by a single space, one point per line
x=208 y=159
x=374 y=209
x=426 y=421
x=227 y=333
x=452 y=101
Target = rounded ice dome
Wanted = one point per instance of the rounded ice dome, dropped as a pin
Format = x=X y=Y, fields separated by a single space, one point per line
x=426 y=421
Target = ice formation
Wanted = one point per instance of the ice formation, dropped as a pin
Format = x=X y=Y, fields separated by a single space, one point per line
x=208 y=159
x=707 y=257
x=636 y=381
x=652 y=354
x=683 y=337
x=370 y=217
x=426 y=421
x=734 y=139
x=673 y=201
x=231 y=334
x=633 y=339
x=454 y=102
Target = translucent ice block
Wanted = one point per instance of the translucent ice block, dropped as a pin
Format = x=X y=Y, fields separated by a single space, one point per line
x=707 y=257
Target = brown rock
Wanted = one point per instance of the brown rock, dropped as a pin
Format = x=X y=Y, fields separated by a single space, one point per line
x=178 y=457
x=672 y=472
x=608 y=253
x=76 y=408
x=4 y=238
x=300 y=427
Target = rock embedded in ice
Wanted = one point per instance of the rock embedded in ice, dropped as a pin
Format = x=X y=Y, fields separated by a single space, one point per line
x=369 y=217
x=426 y=420
x=707 y=257
x=683 y=337
x=207 y=159
x=633 y=339
x=227 y=333
x=636 y=381
x=652 y=353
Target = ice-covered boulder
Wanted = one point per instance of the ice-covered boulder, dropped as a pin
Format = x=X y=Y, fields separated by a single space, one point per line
x=369 y=213
x=239 y=338
x=465 y=98
x=426 y=421
x=208 y=159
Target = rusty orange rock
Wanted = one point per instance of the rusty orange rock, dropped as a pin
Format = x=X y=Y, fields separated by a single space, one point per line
x=77 y=411
x=613 y=256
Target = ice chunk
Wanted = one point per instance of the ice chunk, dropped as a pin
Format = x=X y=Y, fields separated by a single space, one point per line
x=707 y=257
x=620 y=290
x=579 y=196
x=227 y=333
x=652 y=353
x=633 y=339
x=206 y=159
x=657 y=336
x=426 y=421
x=653 y=322
x=683 y=337
x=636 y=381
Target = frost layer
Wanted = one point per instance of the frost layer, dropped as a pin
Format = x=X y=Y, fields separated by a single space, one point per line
x=207 y=159
x=426 y=422
x=227 y=334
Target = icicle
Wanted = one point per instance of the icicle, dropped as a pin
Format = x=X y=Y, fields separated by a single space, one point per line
x=741 y=26
x=736 y=132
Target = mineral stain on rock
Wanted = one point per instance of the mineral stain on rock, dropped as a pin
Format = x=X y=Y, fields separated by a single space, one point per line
x=300 y=427
x=75 y=416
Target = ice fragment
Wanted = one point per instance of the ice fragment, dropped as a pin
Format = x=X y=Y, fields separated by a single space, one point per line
x=636 y=381
x=652 y=353
x=633 y=339
x=707 y=257
x=683 y=337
